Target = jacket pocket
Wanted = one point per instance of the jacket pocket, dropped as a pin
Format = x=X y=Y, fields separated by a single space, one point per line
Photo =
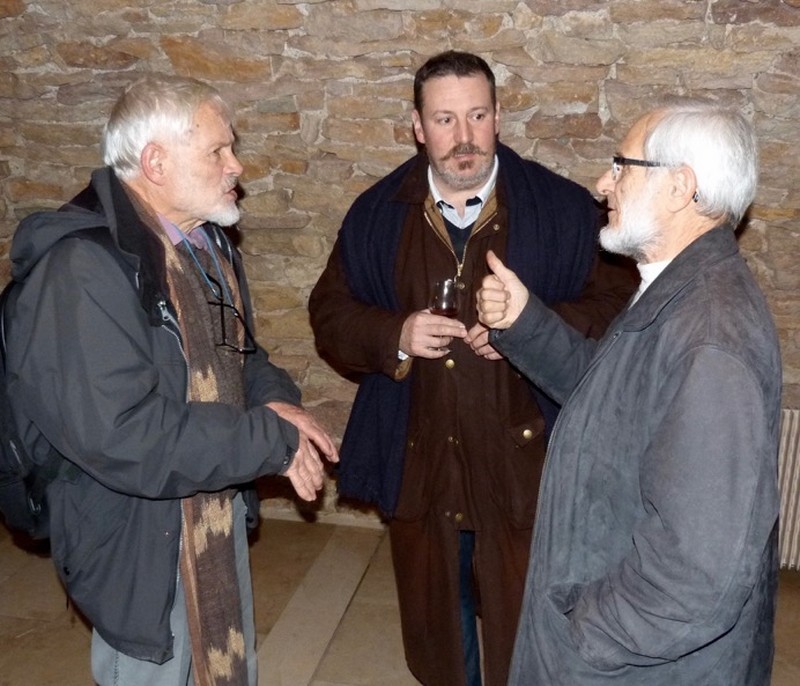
x=417 y=486
x=84 y=521
x=516 y=469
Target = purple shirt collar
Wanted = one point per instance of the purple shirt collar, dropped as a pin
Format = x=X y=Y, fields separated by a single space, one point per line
x=176 y=235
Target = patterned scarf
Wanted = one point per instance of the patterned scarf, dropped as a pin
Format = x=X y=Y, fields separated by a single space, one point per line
x=207 y=564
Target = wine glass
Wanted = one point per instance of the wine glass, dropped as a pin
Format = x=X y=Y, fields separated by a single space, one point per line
x=444 y=298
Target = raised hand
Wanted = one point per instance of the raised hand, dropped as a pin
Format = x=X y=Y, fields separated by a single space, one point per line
x=502 y=296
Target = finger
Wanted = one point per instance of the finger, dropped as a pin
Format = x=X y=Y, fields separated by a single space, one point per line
x=323 y=442
x=301 y=486
x=498 y=268
x=444 y=326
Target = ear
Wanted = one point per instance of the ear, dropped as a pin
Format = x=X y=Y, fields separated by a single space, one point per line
x=497 y=119
x=418 y=131
x=153 y=162
x=683 y=188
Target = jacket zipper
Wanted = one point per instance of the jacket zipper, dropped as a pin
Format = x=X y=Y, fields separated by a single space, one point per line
x=171 y=325
x=449 y=246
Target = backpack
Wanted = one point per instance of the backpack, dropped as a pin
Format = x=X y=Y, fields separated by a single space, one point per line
x=23 y=482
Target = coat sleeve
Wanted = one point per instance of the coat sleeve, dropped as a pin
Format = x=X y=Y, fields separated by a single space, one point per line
x=709 y=491
x=548 y=351
x=354 y=336
x=109 y=391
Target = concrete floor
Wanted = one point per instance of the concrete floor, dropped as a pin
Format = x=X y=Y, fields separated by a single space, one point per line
x=326 y=613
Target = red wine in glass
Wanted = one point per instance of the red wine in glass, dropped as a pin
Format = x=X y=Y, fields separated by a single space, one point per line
x=444 y=298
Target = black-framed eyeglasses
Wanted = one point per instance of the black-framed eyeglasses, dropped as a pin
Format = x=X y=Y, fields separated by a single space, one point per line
x=618 y=162
x=232 y=343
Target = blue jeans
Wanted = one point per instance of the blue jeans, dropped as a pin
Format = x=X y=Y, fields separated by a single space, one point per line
x=113 y=668
x=469 y=625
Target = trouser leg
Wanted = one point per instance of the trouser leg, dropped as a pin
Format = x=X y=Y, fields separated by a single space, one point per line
x=110 y=667
x=469 y=624
x=113 y=668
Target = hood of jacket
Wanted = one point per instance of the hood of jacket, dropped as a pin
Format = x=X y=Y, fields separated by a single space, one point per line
x=103 y=204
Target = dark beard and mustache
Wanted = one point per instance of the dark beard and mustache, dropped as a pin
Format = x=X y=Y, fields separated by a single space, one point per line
x=454 y=179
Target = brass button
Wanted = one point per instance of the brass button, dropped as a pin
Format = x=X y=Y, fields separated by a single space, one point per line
x=496 y=227
x=527 y=434
x=450 y=364
x=458 y=517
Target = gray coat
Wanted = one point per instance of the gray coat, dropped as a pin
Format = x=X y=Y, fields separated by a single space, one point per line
x=654 y=557
x=97 y=369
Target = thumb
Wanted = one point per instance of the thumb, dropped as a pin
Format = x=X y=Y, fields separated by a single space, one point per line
x=498 y=268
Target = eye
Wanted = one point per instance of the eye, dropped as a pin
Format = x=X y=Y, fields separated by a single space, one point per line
x=443 y=120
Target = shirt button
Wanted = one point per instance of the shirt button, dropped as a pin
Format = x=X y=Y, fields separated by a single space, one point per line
x=450 y=364
x=527 y=434
x=458 y=517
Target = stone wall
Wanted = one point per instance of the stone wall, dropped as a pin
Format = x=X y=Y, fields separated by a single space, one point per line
x=323 y=94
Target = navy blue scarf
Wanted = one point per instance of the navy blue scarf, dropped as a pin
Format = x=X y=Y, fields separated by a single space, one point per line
x=551 y=246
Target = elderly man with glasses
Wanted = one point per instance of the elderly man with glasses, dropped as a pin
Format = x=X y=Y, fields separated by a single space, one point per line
x=130 y=355
x=654 y=551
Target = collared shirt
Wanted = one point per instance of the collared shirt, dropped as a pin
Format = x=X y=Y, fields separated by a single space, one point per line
x=175 y=235
x=474 y=205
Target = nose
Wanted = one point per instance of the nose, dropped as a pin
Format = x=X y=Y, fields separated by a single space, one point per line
x=232 y=165
x=463 y=132
x=605 y=184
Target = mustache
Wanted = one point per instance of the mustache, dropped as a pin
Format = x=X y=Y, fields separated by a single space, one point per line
x=464 y=149
x=230 y=183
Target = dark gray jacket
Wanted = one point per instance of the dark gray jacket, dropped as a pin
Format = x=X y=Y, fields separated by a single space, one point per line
x=654 y=554
x=96 y=367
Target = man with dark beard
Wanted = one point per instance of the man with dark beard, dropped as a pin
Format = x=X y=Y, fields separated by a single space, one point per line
x=445 y=436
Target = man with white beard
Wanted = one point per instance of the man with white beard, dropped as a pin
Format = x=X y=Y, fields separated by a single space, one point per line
x=131 y=359
x=654 y=555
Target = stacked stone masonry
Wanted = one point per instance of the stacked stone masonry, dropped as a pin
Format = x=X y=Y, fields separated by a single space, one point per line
x=322 y=90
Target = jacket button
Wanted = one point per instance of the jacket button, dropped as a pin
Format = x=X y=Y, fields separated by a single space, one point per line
x=527 y=434
x=450 y=364
x=458 y=517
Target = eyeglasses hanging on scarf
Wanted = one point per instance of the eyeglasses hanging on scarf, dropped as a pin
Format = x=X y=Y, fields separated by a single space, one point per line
x=223 y=301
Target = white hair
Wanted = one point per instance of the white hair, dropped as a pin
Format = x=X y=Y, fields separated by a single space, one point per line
x=718 y=144
x=157 y=107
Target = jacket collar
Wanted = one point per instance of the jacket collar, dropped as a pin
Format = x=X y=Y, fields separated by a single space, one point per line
x=692 y=263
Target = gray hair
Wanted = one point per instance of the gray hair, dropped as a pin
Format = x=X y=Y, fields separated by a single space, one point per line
x=157 y=107
x=719 y=144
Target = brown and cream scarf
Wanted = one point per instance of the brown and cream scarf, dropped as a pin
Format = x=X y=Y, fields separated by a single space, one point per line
x=207 y=563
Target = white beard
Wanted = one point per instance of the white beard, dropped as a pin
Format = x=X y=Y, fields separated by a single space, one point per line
x=225 y=216
x=636 y=234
